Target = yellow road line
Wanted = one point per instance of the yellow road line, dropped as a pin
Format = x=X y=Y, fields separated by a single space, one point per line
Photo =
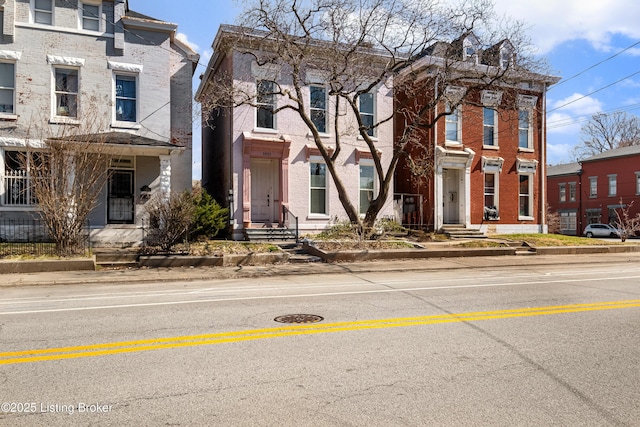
x=38 y=355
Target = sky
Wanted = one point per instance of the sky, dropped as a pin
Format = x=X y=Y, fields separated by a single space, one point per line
x=593 y=45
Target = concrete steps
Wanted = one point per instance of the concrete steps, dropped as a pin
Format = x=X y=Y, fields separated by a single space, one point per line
x=270 y=234
x=459 y=231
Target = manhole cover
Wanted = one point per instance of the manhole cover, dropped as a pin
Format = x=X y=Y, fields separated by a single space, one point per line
x=299 y=318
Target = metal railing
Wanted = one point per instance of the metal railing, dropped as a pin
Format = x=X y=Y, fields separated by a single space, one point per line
x=31 y=237
x=17 y=189
x=286 y=220
x=409 y=210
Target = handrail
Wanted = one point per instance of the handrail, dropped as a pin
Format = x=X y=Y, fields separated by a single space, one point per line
x=285 y=213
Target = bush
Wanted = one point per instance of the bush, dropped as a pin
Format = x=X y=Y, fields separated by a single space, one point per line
x=170 y=218
x=209 y=217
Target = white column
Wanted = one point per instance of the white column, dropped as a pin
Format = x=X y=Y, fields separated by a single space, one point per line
x=165 y=175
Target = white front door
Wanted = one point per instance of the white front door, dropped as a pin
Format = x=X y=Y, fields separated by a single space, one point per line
x=263 y=190
x=450 y=194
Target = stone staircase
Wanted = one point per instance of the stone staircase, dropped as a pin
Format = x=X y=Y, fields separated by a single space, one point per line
x=116 y=258
x=460 y=231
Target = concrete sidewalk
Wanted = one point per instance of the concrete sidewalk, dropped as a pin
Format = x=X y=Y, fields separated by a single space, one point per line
x=141 y=275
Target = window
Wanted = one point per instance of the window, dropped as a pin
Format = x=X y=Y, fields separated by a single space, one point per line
x=525 y=137
x=266 y=102
x=318 y=105
x=490 y=196
x=7 y=87
x=568 y=222
x=318 y=188
x=43 y=11
x=90 y=16
x=526 y=195
x=66 y=92
x=452 y=124
x=17 y=178
x=593 y=186
x=562 y=190
x=489 y=127
x=613 y=184
x=637 y=183
x=572 y=191
x=126 y=98
x=367 y=112
x=367 y=184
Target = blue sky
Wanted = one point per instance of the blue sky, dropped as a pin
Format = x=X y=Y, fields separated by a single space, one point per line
x=574 y=36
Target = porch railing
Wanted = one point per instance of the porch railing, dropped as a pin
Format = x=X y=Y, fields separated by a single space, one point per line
x=287 y=215
x=17 y=189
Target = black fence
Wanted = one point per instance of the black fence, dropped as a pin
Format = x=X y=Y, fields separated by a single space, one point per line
x=30 y=237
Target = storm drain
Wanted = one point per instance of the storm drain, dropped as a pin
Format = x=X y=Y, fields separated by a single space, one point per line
x=299 y=318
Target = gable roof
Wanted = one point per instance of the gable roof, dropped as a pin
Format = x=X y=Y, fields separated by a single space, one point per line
x=632 y=150
x=564 y=169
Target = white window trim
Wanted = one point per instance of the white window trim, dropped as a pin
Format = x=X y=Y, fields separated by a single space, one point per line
x=458 y=115
x=368 y=163
x=612 y=178
x=118 y=123
x=529 y=147
x=529 y=215
x=32 y=14
x=256 y=128
x=637 y=183
x=574 y=186
x=373 y=93
x=55 y=118
x=81 y=4
x=326 y=106
x=495 y=145
x=496 y=190
x=592 y=180
x=562 y=191
x=312 y=160
x=13 y=115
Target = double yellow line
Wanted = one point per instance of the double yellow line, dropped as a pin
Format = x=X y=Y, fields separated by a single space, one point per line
x=39 y=355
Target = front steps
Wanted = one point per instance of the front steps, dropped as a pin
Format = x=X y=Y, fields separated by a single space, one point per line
x=270 y=234
x=460 y=231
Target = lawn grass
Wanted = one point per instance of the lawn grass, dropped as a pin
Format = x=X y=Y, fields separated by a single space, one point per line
x=554 y=240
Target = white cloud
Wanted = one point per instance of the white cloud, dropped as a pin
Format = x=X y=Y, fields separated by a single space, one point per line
x=184 y=39
x=554 y=22
x=576 y=105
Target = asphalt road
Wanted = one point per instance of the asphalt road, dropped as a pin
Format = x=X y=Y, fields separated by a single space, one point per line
x=507 y=346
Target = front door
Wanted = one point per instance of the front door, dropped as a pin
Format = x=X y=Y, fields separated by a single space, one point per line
x=120 y=197
x=264 y=190
x=450 y=194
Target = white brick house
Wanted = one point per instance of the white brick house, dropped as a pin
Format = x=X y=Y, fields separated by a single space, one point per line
x=60 y=59
x=257 y=163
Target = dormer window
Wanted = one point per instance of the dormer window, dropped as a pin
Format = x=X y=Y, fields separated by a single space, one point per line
x=470 y=48
x=506 y=55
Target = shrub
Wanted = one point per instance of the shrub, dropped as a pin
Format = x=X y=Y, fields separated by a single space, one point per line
x=170 y=218
x=209 y=217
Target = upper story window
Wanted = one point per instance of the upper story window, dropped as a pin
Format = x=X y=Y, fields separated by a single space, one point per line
x=562 y=189
x=572 y=191
x=452 y=124
x=490 y=136
x=66 y=92
x=613 y=185
x=318 y=107
x=7 y=87
x=90 y=15
x=366 y=105
x=593 y=186
x=637 y=182
x=266 y=105
x=126 y=95
x=42 y=11
x=525 y=131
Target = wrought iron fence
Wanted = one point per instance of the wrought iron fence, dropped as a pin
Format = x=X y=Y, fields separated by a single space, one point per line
x=30 y=237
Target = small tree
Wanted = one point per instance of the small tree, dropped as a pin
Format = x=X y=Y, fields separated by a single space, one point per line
x=170 y=218
x=68 y=169
x=209 y=217
x=605 y=132
x=627 y=225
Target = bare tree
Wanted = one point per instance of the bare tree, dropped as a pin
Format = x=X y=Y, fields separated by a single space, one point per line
x=608 y=131
x=627 y=224
x=68 y=169
x=364 y=46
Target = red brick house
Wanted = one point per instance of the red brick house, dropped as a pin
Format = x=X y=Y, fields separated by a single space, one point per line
x=591 y=190
x=486 y=142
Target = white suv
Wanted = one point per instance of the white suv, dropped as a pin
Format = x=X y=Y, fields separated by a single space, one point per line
x=600 y=230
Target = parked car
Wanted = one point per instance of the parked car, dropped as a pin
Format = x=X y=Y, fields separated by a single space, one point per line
x=600 y=230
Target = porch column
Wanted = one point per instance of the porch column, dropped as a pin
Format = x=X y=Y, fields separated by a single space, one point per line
x=165 y=175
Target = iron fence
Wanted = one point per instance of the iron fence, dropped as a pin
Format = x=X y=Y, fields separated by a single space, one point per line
x=30 y=237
